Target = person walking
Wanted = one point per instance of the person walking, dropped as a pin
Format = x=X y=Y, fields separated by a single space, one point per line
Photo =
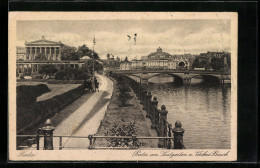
x=97 y=85
x=93 y=84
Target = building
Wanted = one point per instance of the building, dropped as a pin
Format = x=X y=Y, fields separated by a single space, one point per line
x=126 y=66
x=163 y=60
x=26 y=56
x=20 y=53
x=51 y=49
x=205 y=59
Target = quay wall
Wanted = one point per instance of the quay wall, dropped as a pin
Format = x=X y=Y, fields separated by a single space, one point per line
x=158 y=116
x=30 y=116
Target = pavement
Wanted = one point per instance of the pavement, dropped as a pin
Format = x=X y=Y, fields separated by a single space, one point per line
x=88 y=111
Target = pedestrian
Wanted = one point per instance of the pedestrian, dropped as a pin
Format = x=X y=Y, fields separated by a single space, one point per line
x=97 y=86
x=90 y=86
x=93 y=84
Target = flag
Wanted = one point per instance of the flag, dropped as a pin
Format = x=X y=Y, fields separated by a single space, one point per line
x=129 y=37
x=135 y=38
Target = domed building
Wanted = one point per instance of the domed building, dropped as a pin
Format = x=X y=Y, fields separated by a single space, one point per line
x=162 y=60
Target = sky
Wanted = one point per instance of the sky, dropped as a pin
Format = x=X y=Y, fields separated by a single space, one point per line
x=173 y=36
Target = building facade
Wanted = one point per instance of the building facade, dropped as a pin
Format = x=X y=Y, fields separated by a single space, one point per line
x=26 y=56
x=162 y=60
x=205 y=59
x=51 y=49
x=20 y=53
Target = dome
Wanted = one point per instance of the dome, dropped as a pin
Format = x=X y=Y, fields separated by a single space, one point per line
x=85 y=58
x=159 y=54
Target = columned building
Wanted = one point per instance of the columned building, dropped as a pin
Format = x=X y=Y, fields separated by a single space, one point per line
x=51 y=49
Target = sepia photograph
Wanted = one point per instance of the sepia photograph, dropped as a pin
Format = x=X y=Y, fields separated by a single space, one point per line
x=122 y=86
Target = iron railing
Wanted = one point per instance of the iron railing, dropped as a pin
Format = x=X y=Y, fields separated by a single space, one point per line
x=29 y=140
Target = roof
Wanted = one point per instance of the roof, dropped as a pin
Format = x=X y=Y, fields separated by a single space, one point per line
x=85 y=58
x=43 y=41
x=159 y=54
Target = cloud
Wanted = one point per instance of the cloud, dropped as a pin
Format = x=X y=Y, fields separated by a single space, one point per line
x=111 y=37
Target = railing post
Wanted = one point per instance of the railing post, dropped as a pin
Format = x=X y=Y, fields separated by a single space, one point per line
x=154 y=112
x=162 y=126
x=38 y=138
x=148 y=105
x=178 y=136
x=139 y=89
x=169 y=146
x=134 y=139
x=48 y=135
x=90 y=137
x=142 y=92
x=60 y=142
x=144 y=99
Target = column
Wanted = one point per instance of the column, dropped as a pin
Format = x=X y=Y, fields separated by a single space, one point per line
x=40 y=49
x=47 y=54
x=45 y=48
x=30 y=56
x=26 y=52
x=59 y=53
x=55 y=53
x=51 y=57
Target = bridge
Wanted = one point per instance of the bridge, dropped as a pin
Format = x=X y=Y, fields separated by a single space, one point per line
x=180 y=76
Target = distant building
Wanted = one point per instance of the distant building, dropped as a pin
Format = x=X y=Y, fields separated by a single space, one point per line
x=207 y=57
x=125 y=65
x=163 y=60
x=20 y=53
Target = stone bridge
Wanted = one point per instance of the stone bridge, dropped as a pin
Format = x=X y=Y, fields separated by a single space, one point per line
x=180 y=76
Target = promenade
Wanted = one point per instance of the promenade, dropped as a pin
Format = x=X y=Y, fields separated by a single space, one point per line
x=82 y=117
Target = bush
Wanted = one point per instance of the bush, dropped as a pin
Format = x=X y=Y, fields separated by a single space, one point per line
x=60 y=75
x=123 y=130
x=47 y=69
x=36 y=76
x=72 y=73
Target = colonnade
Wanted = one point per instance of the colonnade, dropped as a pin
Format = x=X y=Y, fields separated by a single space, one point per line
x=34 y=67
x=52 y=53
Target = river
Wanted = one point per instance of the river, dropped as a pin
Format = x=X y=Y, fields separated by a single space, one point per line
x=203 y=109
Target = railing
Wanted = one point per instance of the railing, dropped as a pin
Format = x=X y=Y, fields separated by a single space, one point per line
x=48 y=141
x=168 y=137
x=158 y=117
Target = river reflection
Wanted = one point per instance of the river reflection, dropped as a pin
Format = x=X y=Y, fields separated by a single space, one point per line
x=203 y=109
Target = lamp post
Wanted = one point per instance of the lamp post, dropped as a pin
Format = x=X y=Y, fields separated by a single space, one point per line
x=93 y=54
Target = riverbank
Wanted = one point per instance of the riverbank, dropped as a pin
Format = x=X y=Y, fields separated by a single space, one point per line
x=117 y=117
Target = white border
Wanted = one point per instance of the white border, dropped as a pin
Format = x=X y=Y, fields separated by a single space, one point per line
x=116 y=155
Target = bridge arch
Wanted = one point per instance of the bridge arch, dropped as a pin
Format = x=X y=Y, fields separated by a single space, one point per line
x=177 y=78
x=208 y=77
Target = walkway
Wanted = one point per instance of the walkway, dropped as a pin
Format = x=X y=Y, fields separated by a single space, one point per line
x=85 y=119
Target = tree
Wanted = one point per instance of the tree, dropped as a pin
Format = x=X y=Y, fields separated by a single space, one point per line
x=216 y=63
x=47 y=69
x=83 y=50
x=41 y=57
x=69 y=53
x=126 y=59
